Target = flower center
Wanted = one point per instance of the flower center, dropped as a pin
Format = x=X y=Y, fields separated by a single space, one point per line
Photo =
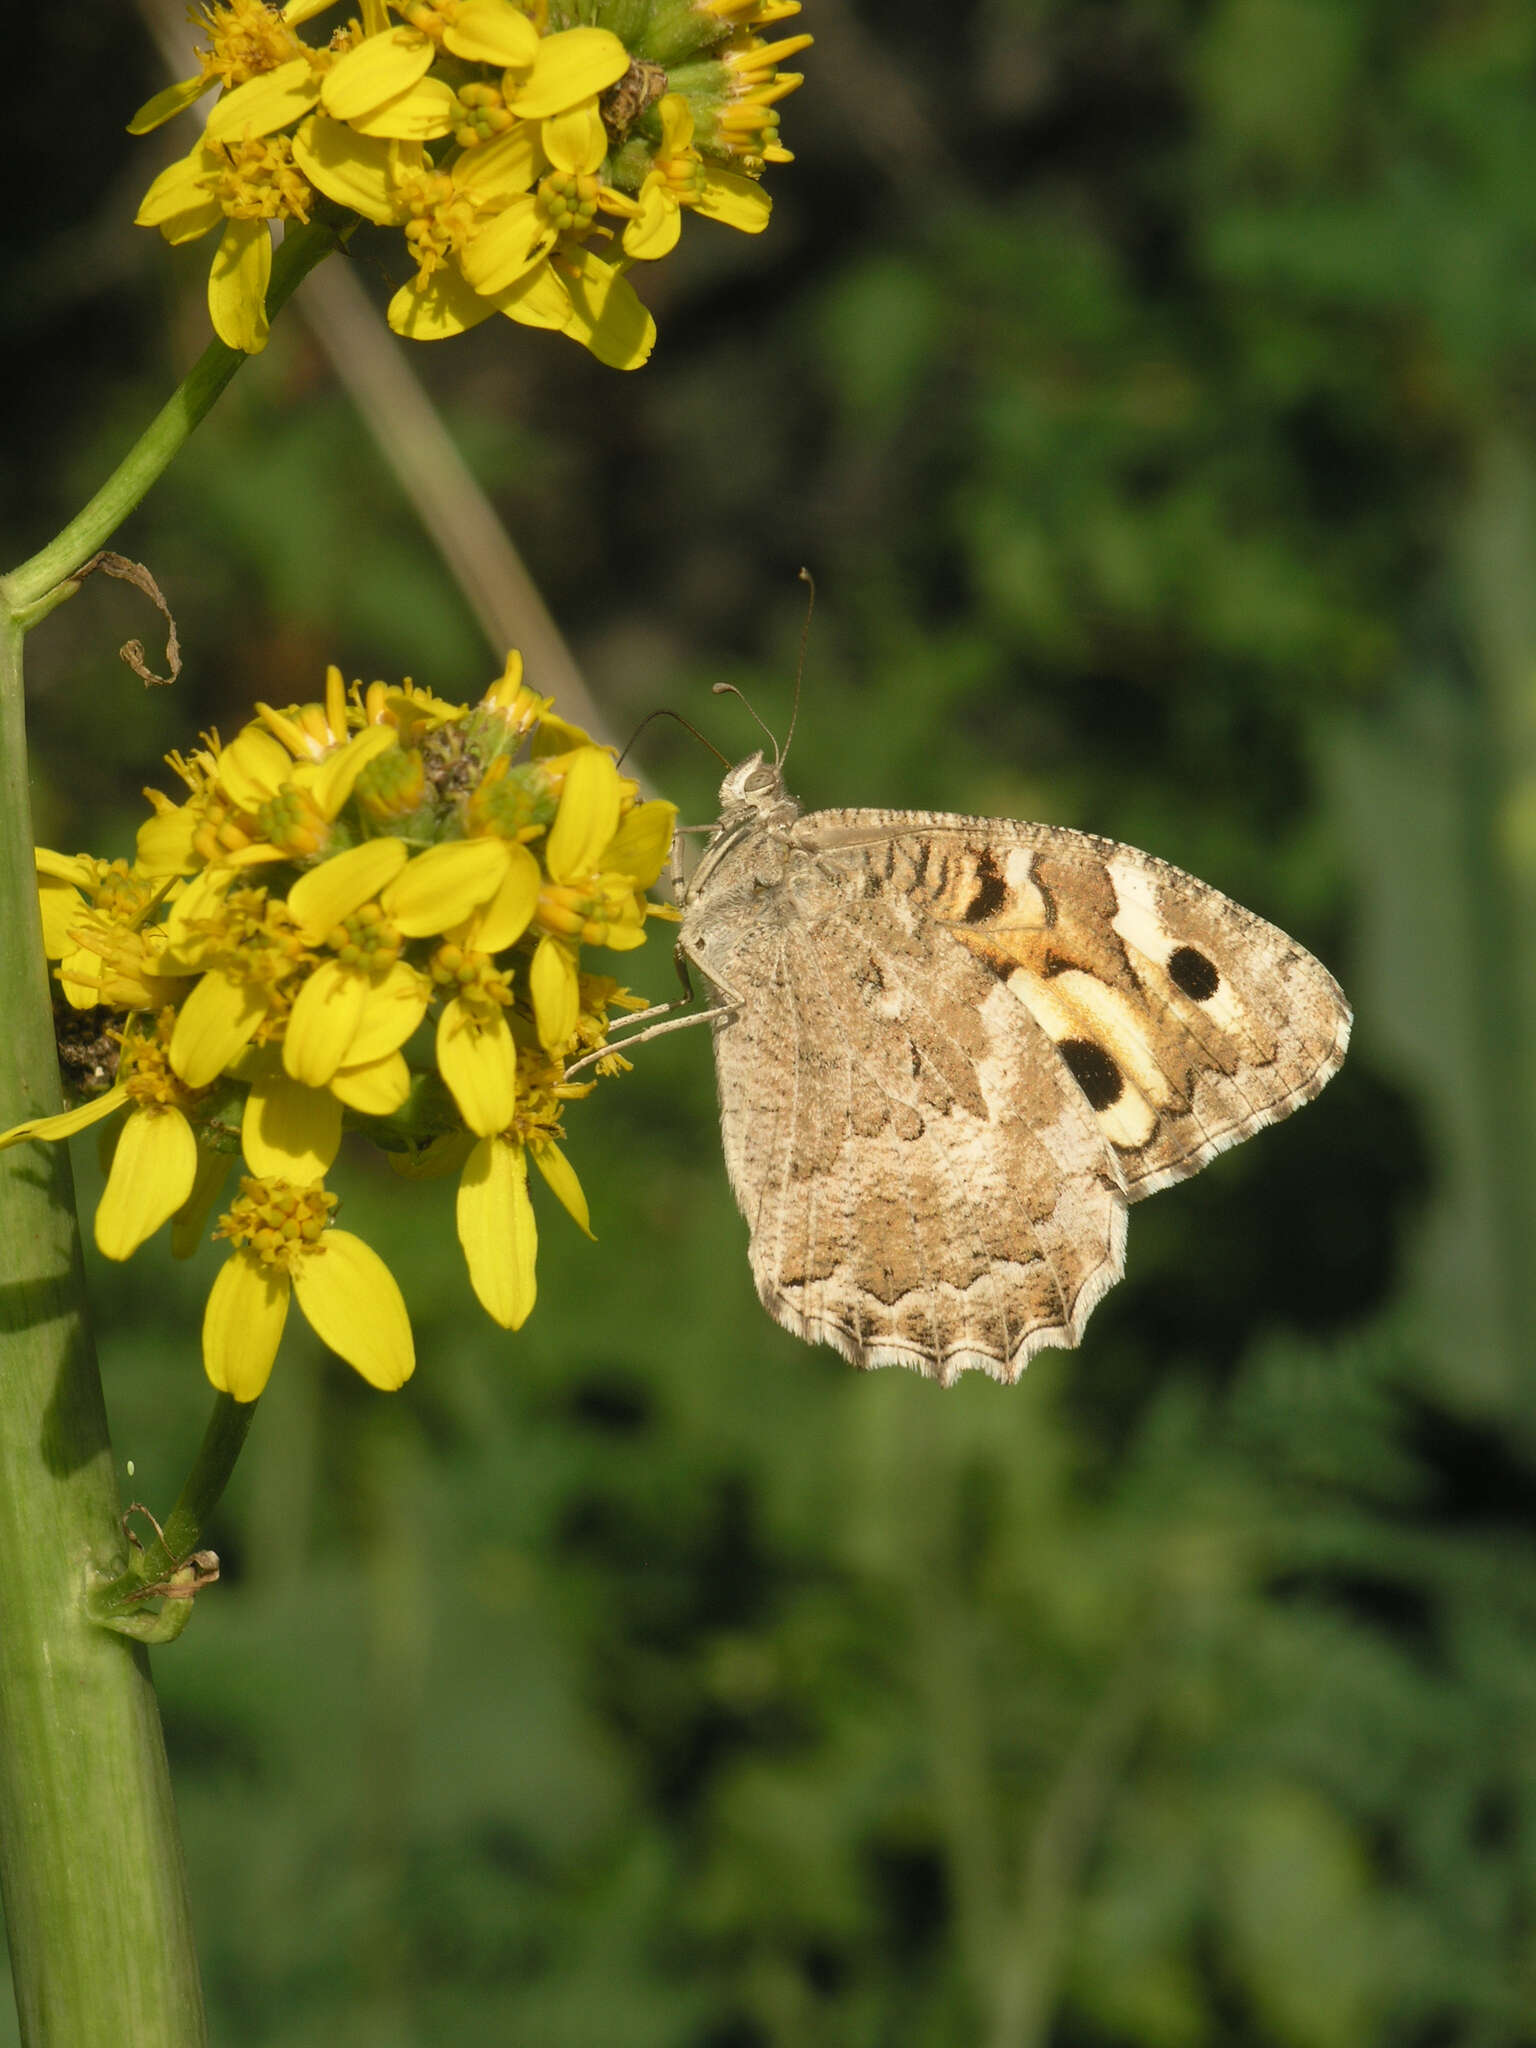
x=260 y=181
x=366 y=940
x=480 y=114
x=481 y=987
x=294 y=821
x=248 y=39
x=569 y=200
x=277 y=1221
x=440 y=219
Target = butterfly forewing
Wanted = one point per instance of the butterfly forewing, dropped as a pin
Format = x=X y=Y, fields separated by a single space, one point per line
x=1188 y=1022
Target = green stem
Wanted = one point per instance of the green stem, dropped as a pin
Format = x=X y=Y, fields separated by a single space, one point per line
x=93 y=526
x=215 y=1460
x=91 y=1868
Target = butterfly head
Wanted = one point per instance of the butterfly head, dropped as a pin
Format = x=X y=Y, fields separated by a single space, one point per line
x=754 y=791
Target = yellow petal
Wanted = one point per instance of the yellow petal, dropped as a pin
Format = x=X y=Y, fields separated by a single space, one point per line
x=253 y=768
x=513 y=242
x=377 y=69
x=497 y=1231
x=60 y=905
x=424 y=114
x=163 y=845
x=243 y=1324
x=179 y=202
x=478 y=1062
x=218 y=1018
x=587 y=818
x=353 y=1303
x=375 y=1087
x=735 y=201
x=538 y=299
x=606 y=315
x=288 y=1131
x=395 y=1005
x=640 y=847
x=510 y=911
x=321 y=1026
x=66 y=1122
x=237 y=286
x=74 y=868
x=437 y=308
x=439 y=888
x=186 y=944
x=171 y=100
x=570 y=66
x=153 y=1171
x=654 y=232
x=498 y=169
x=327 y=895
x=330 y=782
x=188 y=1223
x=676 y=123
x=265 y=103
x=358 y=171
x=492 y=32
x=556 y=993
x=576 y=140
x=560 y=1179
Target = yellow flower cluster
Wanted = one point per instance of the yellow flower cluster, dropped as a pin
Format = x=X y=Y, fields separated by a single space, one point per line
x=529 y=153
x=366 y=913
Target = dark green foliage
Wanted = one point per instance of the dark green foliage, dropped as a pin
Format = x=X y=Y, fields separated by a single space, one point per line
x=1150 y=387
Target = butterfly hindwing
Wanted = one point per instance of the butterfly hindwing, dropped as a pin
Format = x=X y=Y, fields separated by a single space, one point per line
x=924 y=1183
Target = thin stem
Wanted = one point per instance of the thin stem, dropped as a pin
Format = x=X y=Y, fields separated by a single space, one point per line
x=162 y=440
x=91 y=1868
x=222 y=1442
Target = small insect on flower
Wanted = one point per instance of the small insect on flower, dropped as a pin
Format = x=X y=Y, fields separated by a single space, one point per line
x=366 y=913
x=528 y=156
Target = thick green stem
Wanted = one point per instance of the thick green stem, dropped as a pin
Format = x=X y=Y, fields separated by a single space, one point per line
x=90 y=1863
x=93 y=526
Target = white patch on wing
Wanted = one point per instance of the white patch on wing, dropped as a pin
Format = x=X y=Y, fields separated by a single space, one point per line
x=1026 y=905
x=1142 y=930
x=1075 y=1005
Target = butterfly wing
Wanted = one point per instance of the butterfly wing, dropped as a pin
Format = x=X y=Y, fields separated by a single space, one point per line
x=925 y=1183
x=1186 y=1021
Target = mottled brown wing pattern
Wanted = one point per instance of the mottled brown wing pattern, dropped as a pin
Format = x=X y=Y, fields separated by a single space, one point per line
x=1187 y=1021
x=924 y=1183
x=950 y=1050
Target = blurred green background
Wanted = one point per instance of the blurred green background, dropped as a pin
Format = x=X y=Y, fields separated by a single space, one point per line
x=1152 y=387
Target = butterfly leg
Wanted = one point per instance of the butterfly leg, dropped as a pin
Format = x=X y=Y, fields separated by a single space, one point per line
x=665 y=1011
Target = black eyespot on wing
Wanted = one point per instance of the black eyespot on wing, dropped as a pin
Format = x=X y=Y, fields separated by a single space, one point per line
x=1192 y=974
x=991 y=890
x=1093 y=1070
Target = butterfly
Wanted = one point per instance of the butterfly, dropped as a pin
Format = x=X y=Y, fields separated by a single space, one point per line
x=952 y=1051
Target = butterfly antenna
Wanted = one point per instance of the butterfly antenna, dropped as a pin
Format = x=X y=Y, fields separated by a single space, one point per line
x=666 y=711
x=730 y=690
x=805 y=636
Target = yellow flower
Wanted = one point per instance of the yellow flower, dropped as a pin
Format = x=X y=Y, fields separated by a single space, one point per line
x=242 y=184
x=680 y=177
x=94 y=925
x=553 y=133
x=366 y=913
x=282 y=1244
x=155 y=1165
